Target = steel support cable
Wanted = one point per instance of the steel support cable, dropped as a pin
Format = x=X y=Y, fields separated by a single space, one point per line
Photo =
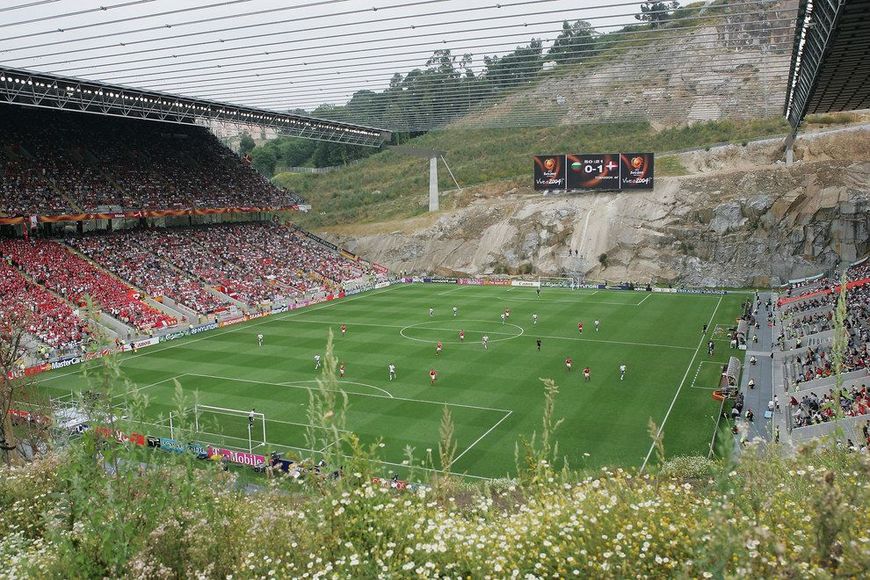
x=272 y=23
x=377 y=52
x=321 y=96
x=226 y=74
x=27 y=5
x=483 y=103
x=355 y=34
x=166 y=13
x=76 y=13
x=172 y=56
x=317 y=87
x=209 y=82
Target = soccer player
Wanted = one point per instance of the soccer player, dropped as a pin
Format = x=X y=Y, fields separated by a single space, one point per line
x=587 y=374
x=461 y=335
x=538 y=343
x=485 y=340
x=392 y=368
x=569 y=363
x=622 y=372
x=341 y=371
x=597 y=324
x=507 y=313
x=251 y=417
x=538 y=290
x=259 y=340
x=433 y=376
x=343 y=329
x=704 y=330
x=431 y=312
x=502 y=317
x=534 y=318
x=438 y=348
x=711 y=346
x=580 y=327
x=316 y=361
x=455 y=311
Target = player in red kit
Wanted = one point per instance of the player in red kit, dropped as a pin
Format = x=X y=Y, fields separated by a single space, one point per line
x=341 y=370
x=343 y=329
x=461 y=336
x=587 y=373
x=569 y=363
x=438 y=348
x=433 y=376
x=580 y=327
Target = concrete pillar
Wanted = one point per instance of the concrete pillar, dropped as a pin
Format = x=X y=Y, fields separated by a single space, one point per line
x=433 y=184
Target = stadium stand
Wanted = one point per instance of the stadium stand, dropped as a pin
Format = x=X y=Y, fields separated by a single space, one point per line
x=54 y=266
x=44 y=316
x=135 y=256
x=806 y=341
x=56 y=163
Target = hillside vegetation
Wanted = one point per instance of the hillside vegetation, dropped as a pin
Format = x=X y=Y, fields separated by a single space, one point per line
x=394 y=185
x=764 y=516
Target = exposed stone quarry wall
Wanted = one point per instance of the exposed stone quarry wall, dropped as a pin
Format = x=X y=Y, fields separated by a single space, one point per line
x=742 y=218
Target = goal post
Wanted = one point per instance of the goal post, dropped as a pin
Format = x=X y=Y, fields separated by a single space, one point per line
x=557 y=282
x=236 y=424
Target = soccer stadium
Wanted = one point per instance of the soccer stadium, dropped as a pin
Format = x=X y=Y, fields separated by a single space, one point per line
x=434 y=289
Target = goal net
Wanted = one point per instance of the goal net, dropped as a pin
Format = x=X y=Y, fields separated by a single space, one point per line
x=233 y=428
x=556 y=282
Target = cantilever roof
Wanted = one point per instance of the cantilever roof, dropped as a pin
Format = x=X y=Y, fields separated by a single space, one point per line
x=830 y=68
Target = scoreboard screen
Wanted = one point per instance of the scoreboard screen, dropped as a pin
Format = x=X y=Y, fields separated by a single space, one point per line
x=605 y=171
x=593 y=171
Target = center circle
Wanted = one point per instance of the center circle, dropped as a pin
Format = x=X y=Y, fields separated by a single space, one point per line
x=447 y=331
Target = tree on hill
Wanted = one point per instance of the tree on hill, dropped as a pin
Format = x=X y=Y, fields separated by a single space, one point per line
x=246 y=144
x=656 y=13
x=574 y=43
x=515 y=68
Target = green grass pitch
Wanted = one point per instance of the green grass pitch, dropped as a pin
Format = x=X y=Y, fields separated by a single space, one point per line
x=494 y=395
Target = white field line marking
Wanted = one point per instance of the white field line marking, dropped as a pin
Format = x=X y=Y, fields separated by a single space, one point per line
x=697 y=372
x=679 y=388
x=645 y=299
x=594 y=293
x=386 y=392
x=137 y=389
x=441 y=403
x=476 y=441
x=513 y=335
x=418 y=325
x=237 y=327
x=459 y=287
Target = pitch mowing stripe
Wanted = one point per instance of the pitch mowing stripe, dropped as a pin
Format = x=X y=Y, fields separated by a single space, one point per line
x=441 y=403
x=679 y=388
x=627 y=343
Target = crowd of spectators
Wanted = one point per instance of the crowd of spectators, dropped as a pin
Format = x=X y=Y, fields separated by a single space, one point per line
x=848 y=402
x=135 y=257
x=40 y=313
x=56 y=162
x=52 y=265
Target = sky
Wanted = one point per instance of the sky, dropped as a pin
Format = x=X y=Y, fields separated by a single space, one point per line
x=275 y=54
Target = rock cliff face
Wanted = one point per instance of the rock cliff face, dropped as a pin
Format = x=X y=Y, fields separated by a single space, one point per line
x=742 y=218
x=738 y=70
